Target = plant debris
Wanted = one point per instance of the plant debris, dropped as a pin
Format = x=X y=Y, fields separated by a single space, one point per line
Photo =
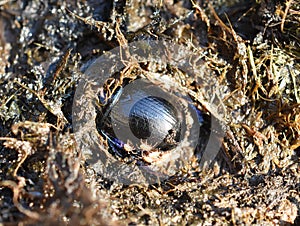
x=252 y=46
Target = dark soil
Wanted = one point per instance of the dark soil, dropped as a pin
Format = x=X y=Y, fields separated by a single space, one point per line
x=252 y=46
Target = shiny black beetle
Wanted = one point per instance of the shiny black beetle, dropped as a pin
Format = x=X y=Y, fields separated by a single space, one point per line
x=144 y=116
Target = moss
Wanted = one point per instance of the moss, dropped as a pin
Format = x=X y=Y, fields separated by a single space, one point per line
x=251 y=46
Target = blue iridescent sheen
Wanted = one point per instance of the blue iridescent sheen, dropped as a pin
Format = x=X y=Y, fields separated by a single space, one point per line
x=146 y=118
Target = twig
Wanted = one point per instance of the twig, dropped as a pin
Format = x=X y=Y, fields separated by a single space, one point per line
x=288 y=4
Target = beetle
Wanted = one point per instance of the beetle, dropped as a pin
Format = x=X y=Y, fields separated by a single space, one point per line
x=151 y=119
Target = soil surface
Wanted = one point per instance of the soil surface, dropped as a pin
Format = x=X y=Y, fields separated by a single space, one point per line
x=251 y=47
